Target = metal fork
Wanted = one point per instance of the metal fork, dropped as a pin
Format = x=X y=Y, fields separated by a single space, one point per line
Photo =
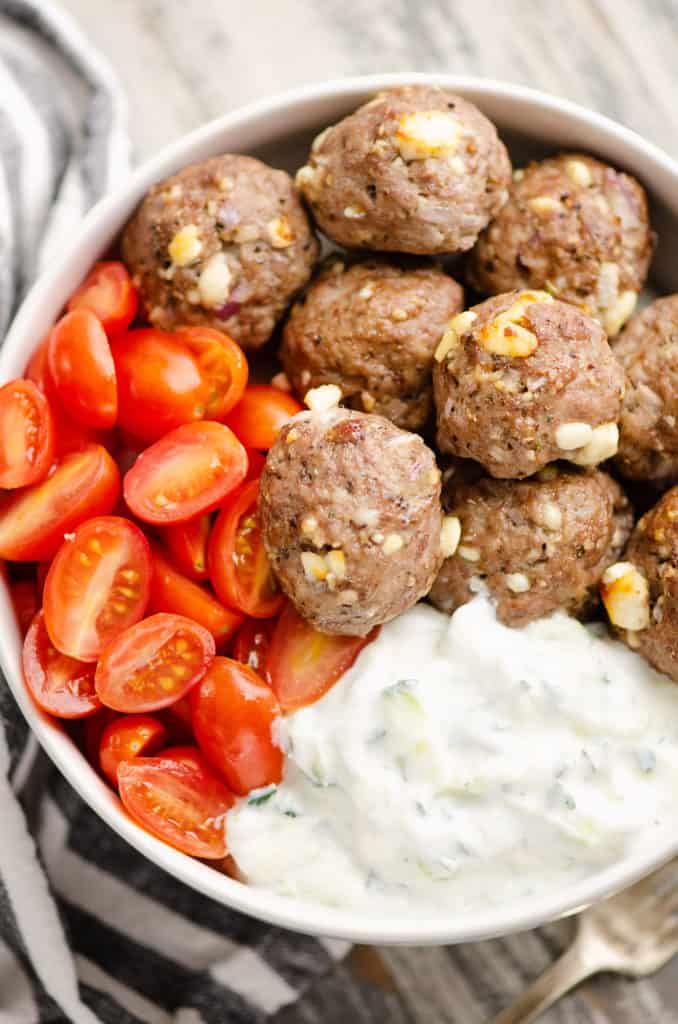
x=633 y=933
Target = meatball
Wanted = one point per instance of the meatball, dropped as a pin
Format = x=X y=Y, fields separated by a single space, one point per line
x=575 y=226
x=648 y=431
x=537 y=545
x=351 y=518
x=640 y=593
x=522 y=380
x=225 y=243
x=417 y=169
x=372 y=330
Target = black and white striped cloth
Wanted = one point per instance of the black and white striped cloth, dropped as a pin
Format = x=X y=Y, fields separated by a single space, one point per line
x=90 y=931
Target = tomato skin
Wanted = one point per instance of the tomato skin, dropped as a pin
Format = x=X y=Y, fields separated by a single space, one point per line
x=160 y=383
x=69 y=436
x=236 y=559
x=232 y=712
x=187 y=543
x=255 y=465
x=153 y=663
x=187 y=754
x=26 y=602
x=177 y=720
x=304 y=664
x=260 y=414
x=26 y=434
x=81 y=366
x=181 y=802
x=223 y=365
x=83 y=615
x=33 y=521
x=58 y=684
x=172 y=592
x=108 y=292
x=252 y=642
x=190 y=471
x=127 y=737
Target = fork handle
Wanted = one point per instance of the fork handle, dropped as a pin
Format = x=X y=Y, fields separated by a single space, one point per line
x=562 y=976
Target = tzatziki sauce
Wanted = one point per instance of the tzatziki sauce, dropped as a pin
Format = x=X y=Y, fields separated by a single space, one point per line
x=461 y=763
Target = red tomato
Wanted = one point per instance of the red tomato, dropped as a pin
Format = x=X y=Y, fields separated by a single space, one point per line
x=172 y=592
x=223 y=366
x=188 y=544
x=232 y=711
x=33 y=521
x=93 y=730
x=238 y=565
x=127 y=737
x=60 y=685
x=188 y=472
x=26 y=602
x=108 y=292
x=260 y=414
x=187 y=754
x=69 y=436
x=160 y=383
x=252 y=642
x=26 y=434
x=304 y=664
x=256 y=463
x=179 y=801
x=153 y=663
x=81 y=366
x=98 y=584
x=177 y=719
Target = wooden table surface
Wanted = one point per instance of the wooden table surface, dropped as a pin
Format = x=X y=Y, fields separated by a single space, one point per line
x=183 y=63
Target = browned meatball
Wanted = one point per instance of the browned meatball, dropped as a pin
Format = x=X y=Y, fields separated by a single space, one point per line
x=372 y=330
x=648 y=430
x=641 y=592
x=522 y=380
x=537 y=545
x=225 y=243
x=417 y=169
x=576 y=227
x=351 y=518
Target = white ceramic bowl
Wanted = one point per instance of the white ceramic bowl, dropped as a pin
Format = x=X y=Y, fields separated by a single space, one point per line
x=279 y=131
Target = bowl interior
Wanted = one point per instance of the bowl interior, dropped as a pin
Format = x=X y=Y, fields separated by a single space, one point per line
x=279 y=132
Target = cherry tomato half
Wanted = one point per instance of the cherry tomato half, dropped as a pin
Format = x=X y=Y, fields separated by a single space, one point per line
x=260 y=414
x=33 y=521
x=153 y=663
x=26 y=434
x=252 y=642
x=98 y=585
x=188 y=545
x=172 y=592
x=81 y=366
x=188 y=472
x=108 y=292
x=69 y=436
x=26 y=602
x=238 y=565
x=304 y=664
x=181 y=802
x=60 y=685
x=232 y=710
x=223 y=365
x=160 y=383
x=126 y=737
x=187 y=754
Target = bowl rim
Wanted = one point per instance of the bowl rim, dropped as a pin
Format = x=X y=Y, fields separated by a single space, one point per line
x=311 y=918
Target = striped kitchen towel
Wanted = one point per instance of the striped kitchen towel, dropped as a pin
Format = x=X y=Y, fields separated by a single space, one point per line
x=89 y=930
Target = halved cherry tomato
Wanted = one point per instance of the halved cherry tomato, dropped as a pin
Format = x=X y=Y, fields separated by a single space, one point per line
x=232 y=710
x=33 y=521
x=238 y=565
x=252 y=642
x=108 y=292
x=81 y=366
x=26 y=434
x=98 y=585
x=153 y=663
x=223 y=366
x=256 y=463
x=127 y=737
x=26 y=602
x=160 y=383
x=188 y=472
x=304 y=664
x=188 y=544
x=69 y=436
x=172 y=592
x=177 y=719
x=60 y=685
x=260 y=414
x=181 y=802
x=187 y=754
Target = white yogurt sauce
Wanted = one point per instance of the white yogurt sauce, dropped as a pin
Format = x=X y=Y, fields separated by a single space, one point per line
x=461 y=763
